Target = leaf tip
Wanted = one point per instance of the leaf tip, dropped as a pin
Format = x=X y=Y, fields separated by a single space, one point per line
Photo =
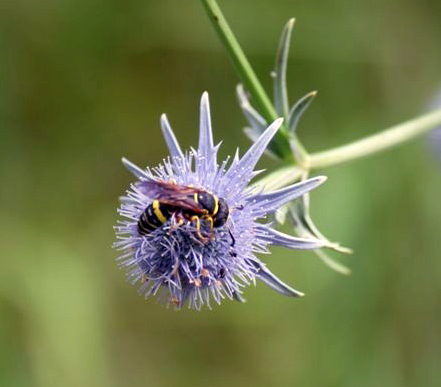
x=321 y=179
x=204 y=98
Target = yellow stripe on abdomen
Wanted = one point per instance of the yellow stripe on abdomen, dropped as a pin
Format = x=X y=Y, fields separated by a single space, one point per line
x=158 y=212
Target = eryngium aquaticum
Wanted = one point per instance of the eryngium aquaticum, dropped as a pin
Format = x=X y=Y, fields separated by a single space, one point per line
x=172 y=262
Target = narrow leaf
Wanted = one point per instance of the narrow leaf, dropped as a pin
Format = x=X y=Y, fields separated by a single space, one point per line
x=275 y=283
x=305 y=227
x=332 y=263
x=251 y=114
x=280 y=92
x=298 y=109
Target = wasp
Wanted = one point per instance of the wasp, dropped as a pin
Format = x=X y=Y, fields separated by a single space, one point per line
x=186 y=203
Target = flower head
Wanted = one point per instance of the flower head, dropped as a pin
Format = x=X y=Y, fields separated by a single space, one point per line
x=185 y=257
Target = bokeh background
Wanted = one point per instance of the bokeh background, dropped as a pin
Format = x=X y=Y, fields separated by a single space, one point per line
x=83 y=82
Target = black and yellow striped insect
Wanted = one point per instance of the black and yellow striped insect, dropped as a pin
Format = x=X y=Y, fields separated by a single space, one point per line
x=186 y=203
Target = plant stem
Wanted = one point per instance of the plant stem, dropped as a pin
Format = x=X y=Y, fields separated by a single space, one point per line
x=249 y=78
x=239 y=59
x=386 y=139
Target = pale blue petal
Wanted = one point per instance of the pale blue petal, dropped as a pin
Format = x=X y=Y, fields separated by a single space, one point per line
x=239 y=173
x=273 y=282
x=278 y=238
x=253 y=134
x=138 y=172
x=205 y=148
x=265 y=203
x=170 y=139
x=235 y=161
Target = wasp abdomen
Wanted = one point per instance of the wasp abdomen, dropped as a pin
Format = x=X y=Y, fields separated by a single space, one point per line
x=154 y=216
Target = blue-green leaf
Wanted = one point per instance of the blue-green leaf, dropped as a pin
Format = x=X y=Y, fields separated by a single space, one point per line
x=257 y=122
x=280 y=91
x=305 y=227
x=298 y=109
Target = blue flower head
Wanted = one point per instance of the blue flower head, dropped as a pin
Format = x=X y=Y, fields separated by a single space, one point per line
x=185 y=259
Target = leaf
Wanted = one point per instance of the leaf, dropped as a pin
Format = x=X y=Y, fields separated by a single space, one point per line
x=298 y=109
x=305 y=227
x=280 y=92
x=257 y=122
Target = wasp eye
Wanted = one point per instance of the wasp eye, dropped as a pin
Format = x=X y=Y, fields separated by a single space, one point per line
x=222 y=213
x=207 y=201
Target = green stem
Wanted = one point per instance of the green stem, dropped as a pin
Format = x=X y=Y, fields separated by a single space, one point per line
x=386 y=139
x=239 y=59
x=249 y=78
x=376 y=143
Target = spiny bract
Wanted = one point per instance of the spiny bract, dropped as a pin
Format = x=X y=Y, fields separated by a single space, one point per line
x=172 y=262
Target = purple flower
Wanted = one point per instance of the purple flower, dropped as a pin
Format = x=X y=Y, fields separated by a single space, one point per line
x=182 y=262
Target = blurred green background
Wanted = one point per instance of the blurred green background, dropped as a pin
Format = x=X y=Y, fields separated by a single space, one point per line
x=83 y=83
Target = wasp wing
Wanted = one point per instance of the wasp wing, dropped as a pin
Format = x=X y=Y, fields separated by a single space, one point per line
x=156 y=188
x=180 y=196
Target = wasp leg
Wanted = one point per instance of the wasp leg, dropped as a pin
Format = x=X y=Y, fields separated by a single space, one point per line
x=210 y=221
x=196 y=219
